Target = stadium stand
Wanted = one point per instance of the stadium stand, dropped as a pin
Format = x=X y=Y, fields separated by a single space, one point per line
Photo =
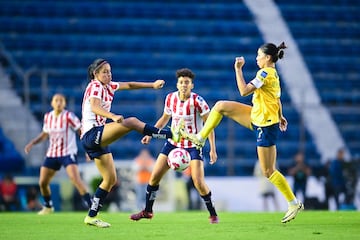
x=10 y=160
x=327 y=33
x=149 y=40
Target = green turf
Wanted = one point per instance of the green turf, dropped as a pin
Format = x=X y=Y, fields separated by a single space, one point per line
x=183 y=225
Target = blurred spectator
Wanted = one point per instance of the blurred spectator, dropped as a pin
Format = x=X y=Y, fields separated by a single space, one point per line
x=336 y=176
x=32 y=199
x=144 y=164
x=8 y=194
x=351 y=178
x=267 y=189
x=325 y=178
x=300 y=172
x=194 y=200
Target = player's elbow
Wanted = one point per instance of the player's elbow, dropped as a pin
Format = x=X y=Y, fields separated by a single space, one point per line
x=244 y=93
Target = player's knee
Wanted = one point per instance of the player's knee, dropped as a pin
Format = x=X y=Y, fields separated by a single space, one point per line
x=130 y=122
x=220 y=105
x=43 y=184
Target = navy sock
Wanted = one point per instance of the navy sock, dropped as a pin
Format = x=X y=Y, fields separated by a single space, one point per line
x=87 y=199
x=47 y=201
x=209 y=204
x=150 y=197
x=156 y=132
x=98 y=200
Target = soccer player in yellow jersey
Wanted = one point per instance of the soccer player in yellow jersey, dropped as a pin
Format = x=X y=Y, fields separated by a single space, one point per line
x=265 y=117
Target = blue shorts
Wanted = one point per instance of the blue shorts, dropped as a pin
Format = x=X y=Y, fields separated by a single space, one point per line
x=55 y=163
x=266 y=136
x=195 y=154
x=91 y=143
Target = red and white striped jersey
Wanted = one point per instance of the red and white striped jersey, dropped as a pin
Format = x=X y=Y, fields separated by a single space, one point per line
x=190 y=110
x=95 y=89
x=62 y=133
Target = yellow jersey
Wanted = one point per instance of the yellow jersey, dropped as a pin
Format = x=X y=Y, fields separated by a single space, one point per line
x=265 y=110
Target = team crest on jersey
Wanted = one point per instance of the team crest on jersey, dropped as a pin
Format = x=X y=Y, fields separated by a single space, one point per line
x=200 y=99
x=263 y=74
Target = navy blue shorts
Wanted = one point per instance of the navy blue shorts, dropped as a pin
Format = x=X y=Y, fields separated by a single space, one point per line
x=91 y=143
x=55 y=163
x=195 y=154
x=266 y=136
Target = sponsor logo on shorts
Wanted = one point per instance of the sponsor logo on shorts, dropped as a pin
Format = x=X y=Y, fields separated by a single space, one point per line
x=97 y=139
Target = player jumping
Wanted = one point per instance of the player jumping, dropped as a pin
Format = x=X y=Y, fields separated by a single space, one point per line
x=265 y=117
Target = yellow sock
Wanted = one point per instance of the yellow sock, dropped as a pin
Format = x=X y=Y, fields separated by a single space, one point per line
x=282 y=185
x=212 y=121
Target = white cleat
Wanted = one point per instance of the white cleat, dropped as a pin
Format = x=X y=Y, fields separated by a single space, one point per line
x=93 y=221
x=292 y=212
x=178 y=130
x=46 y=210
x=194 y=139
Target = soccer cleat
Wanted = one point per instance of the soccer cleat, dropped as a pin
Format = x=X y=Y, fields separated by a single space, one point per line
x=140 y=215
x=199 y=143
x=46 y=210
x=93 y=221
x=214 y=219
x=177 y=131
x=292 y=212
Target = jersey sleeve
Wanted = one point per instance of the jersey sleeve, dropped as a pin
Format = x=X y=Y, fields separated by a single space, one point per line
x=259 y=80
x=74 y=121
x=167 y=105
x=95 y=90
x=45 y=125
x=202 y=105
x=114 y=86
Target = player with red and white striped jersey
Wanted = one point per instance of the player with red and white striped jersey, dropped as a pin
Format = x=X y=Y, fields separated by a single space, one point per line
x=60 y=127
x=106 y=94
x=97 y=134
x=183 y=107
x=190 y=111
x=62 y=130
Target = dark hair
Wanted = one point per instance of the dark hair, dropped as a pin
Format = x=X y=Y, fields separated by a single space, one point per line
x=95 y=66
x=276 y=52
x=185 y=72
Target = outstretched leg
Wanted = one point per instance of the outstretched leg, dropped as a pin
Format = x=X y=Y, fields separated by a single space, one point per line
x=240 y=113
x=113 y=131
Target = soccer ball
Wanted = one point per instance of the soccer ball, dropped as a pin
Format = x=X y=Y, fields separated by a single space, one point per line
x=179 y=159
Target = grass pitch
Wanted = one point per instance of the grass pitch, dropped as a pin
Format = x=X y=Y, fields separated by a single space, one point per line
x=183 y=225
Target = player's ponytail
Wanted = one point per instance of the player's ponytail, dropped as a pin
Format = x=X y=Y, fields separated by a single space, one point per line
x=276 y=52
x=94 y=67
x=281 y=48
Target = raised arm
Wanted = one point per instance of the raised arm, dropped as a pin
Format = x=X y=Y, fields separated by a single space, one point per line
x=138 y=85
x=244 y=89
x=40 y=138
